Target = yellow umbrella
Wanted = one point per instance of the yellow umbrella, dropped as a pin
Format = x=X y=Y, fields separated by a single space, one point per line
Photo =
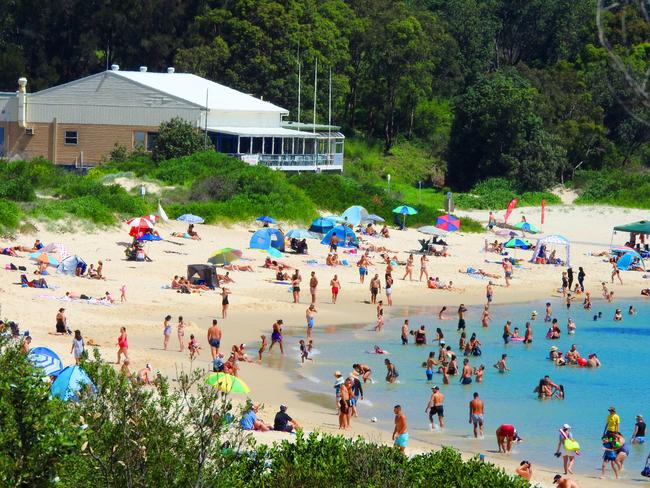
x=227 y=383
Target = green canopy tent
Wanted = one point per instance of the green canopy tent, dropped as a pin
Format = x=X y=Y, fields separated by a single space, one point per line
x=642 y=227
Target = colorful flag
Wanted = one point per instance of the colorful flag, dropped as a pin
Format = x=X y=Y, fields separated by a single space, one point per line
x=511 y=207
x=543 y=208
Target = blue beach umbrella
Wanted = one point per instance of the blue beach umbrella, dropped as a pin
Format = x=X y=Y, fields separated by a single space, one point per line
x=322 y=225
x=266 y=219
x=374 y=218
x=69 y=382
x=273 y=252
x=191 y=219
x=45 y=359
x=300 y=234
x=517 y=243
x=405 y=210
x=43 y=257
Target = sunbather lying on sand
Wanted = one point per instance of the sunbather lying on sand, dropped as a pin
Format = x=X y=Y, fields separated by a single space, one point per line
x=479 y=271
x=238 y=267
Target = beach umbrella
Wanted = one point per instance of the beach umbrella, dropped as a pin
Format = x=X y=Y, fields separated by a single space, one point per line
x=432 y=230
x=191 y=219
x=141 y=222
x=405 y=210
x=225 y=256
x=69 y=382
x=322 y=225
x=506 y=233
x=300 y=234
x=448 y=222
x=527 y=227
x=374 y=218
x=149 y=237
x=227 y=383
x=43 y=257
x=45 y=359
x=266 y=219
x=517 y=243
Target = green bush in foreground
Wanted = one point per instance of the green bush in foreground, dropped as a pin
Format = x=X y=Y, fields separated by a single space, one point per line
x=126 y=434
x=618 y=188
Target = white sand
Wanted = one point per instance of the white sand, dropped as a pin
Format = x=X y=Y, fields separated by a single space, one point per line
x=256 y=303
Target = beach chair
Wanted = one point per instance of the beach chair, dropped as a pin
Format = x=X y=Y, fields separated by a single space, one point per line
x=424 y=243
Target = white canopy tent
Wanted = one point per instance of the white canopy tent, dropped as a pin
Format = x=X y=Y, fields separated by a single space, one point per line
x=554 y=241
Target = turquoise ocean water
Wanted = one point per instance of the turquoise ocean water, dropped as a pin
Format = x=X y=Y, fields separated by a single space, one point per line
x=622 y=381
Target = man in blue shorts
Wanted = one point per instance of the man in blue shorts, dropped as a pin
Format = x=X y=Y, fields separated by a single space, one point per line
x=400 y=434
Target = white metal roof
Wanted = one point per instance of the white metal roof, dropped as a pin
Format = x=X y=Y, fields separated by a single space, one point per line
x=193 y=88
x=261 y=131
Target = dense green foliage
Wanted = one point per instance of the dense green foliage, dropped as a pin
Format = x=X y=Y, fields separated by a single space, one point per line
x=532 y=91
x=127 y=434
x=176 y=138
x=617 y=188
x=496 y=193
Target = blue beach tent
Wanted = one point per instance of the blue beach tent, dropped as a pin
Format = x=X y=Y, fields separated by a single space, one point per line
x=322 y=225
x=69 y=265
x=69 y=382
x=347 y=237
x=628 y=259
x=266 y=238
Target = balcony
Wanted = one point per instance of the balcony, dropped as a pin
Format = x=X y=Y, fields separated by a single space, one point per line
x=296 y=162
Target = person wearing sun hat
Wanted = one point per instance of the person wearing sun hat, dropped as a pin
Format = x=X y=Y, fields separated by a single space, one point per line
x=553 y=354
x=613 y=423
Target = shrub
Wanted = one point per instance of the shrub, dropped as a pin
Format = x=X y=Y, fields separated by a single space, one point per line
x=9 y=215
x=216 y=187
x=619 y=188
x=175 y=139
x=496 y=193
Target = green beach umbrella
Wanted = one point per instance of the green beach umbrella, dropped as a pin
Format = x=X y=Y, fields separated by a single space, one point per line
x=526 y=227
x=227 y=383
x=225 y=256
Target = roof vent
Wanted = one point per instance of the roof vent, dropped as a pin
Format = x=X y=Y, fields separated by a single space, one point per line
x=170 y=70
x=115 y=67
x=143 y=69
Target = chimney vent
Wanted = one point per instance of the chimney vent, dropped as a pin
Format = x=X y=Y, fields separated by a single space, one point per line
x=143 y=69
x=170 y=70
x=115 y=67
x=22 y=84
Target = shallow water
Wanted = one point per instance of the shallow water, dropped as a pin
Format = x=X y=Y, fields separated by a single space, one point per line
x=621 y=381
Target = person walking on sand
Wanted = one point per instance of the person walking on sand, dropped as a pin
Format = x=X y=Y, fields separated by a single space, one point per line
x=616 y=273
x=180 y=332
x=122 y=345
x=581 y=278
x=375 y=288
x=310 y=315
x=295 y=286
x=507 y=271
x=313 y=283
x=336 y=288
x=435 y=407
x=568 y=456
x=167 y=331
x=400 y=433
x=388 y=290
x=476 y=411
x=224 y=302
x=569 y=273
x=409 y=268
x=78 y=346
x=214 y=338
x=123 y=293
x=423 y=267
x=362 y=264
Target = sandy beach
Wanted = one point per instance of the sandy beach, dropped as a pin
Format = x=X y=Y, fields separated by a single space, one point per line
x=256 y=302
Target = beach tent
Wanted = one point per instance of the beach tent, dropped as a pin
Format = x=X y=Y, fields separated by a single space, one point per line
x=45 y=359
x=322 y=225
x=206 y=272
x=640 y=227
x=69 y=382
x=347 y=237
x=69 y=265
x=267 y=237
x=355 y=215
x=626 y=260
x=553 y=240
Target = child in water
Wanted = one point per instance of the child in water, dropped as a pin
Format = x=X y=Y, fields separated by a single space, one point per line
x=262 y=348
x=304 y=352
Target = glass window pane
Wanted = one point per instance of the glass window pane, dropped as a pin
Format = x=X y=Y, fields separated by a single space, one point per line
x=268 y=145
x=245 y=145
x=151 y=140
x=300 y=145
x=139 y=139
x=277 y=145
x=70 y=137
x=257 y=145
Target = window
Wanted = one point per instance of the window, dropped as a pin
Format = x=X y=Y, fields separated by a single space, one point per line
x=257 y=145
x=288 y=145
x=268 y=145
x=277 y=145
x=244 y=145
x=71 y=137
x=299 y=146
x=139 y=140
x=152 y=137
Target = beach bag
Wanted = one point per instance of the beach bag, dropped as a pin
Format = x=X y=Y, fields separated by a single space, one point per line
x=571 y=445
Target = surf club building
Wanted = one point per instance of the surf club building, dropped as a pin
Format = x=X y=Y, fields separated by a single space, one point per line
x=79 y=123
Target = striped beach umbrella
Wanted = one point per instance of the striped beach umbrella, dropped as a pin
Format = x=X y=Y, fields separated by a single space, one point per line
x=45 y=359
x=227 y=383
x=225 y=256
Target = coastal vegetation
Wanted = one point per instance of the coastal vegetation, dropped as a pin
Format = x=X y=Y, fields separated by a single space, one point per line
x=121 y=433
x=437 y=93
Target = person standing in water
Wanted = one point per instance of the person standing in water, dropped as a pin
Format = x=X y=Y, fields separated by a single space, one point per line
x=435 y=407
x=466 y=377
x=485 y=316
x=501 y=365
x=476 y=412
x=489 y=293
x=528 y=335
x=405 y=332
x=391 y=371
x=400 y=433
x=506 y=332
x=461 y=317
x=310 y=315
